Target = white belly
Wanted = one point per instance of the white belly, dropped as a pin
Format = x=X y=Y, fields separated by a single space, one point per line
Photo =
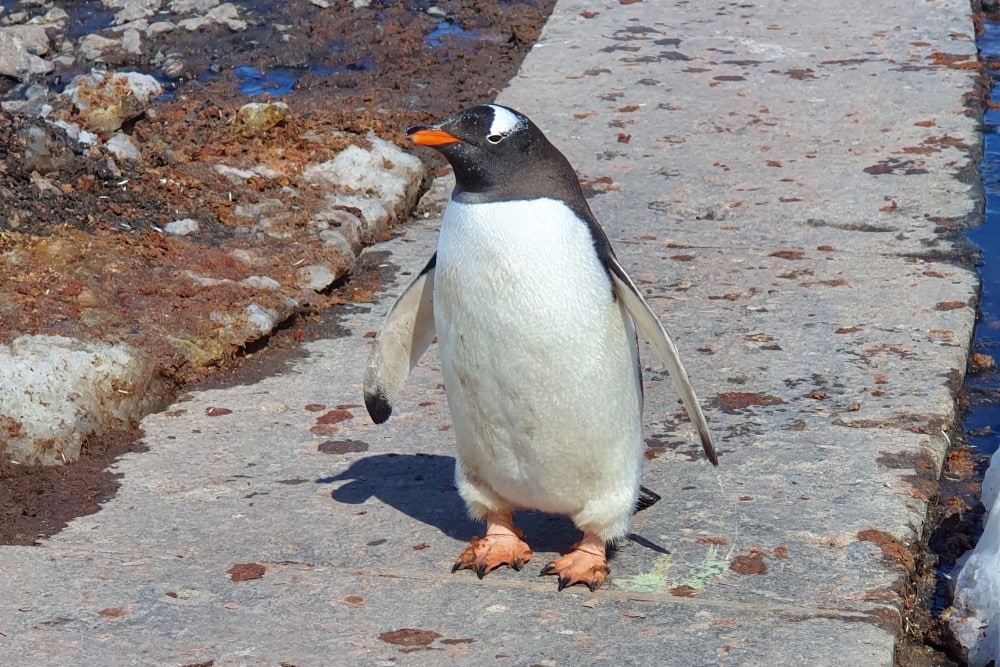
x=539 y=360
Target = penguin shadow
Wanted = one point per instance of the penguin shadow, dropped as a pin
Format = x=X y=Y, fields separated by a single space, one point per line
x=422 y=487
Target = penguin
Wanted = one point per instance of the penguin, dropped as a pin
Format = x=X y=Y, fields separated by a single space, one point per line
x=536 y=324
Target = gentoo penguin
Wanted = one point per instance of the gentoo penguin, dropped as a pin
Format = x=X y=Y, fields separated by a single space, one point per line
x=536 y=324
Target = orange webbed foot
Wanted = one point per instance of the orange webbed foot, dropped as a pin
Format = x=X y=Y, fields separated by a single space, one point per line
x=585 y=564
x=501 y=546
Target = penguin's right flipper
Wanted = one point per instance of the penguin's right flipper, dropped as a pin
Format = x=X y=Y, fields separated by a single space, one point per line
x=407 y=332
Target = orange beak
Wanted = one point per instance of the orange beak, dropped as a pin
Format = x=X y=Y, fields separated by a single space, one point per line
x=426 y=136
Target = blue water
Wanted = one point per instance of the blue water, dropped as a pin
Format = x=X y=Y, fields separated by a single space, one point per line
x=447 y=29
x=279 y=81
x=86 y=18
x=275 y=82
x=982 y=424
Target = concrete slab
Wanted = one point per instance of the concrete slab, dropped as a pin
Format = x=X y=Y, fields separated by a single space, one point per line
x=807 y=297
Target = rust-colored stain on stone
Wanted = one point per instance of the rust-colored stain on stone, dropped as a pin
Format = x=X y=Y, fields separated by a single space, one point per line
x=334 y=417
x=739 y=400
x=890 y=547
x=115 y=613
x=749 y=563
x=342 y=446
x=246 y=571
x=788 y=254
x=409 y=637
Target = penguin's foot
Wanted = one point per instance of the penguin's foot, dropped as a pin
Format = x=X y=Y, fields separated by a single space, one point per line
x=501 y=546
x=585 y=564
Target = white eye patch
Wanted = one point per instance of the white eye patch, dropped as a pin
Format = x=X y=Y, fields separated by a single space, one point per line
x=504 y=122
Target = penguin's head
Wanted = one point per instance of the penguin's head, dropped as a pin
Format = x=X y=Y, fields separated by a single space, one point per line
x=494 y=148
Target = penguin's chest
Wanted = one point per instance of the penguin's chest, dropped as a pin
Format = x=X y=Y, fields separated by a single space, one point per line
x=539 y=358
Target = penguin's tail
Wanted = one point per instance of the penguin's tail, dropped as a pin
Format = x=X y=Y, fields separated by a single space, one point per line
x=646 y=499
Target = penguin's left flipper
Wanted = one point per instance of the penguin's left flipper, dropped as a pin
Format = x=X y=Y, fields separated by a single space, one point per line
x=652 y=329
x=407 y=332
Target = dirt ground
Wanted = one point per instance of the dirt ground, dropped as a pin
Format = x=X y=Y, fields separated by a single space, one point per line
x=84 y=254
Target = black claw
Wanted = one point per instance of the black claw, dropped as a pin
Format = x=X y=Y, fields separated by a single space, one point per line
x=592 y=586
x=456 y=567
x=563 y=583
x=548 y=569
x=481 y=570
x=517 y=564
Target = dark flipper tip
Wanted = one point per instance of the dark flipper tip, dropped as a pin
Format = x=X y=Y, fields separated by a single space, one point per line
x=709 y=448
x=378 y=407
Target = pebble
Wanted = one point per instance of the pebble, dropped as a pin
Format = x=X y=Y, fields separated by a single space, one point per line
x=21 y=51
x=106 y=100
x=92 y=47
x=260 y=116
x=182 y=227
x=123 y=147
x=315 y=277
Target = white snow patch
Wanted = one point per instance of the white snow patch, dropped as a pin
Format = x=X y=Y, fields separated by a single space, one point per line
x=976 y=608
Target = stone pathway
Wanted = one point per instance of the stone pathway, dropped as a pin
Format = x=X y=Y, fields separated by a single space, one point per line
x=782 y=181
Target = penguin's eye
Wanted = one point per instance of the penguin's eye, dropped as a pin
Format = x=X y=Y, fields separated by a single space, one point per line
x=494 y=138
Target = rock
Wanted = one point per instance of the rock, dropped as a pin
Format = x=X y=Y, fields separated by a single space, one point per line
x=433 y=202
x=56 y=391
x=122 y=147
x=336 y=224
x=192 y=6
x=159 y=28
x=74 y=132
x=225 y=14
x=29 y=100
x=182 y=227
x=238 y=176
x=244 y=256
x=316 y=277
x=132 y=10
x=21 y=51
x=43 y=150
x=372 y=213
x=263 y=320
x=208 y=353
x=322 y=4
x=204 y=281
x=259 y=116
x=379 y=183
x=107 y=101
x=331 y=238
x=257 y=210
x=44 y=185
x=132 y=42
x=260 y=282
x=92 y=47
x=173 y=66
x=361 y=4
x=55 y=16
